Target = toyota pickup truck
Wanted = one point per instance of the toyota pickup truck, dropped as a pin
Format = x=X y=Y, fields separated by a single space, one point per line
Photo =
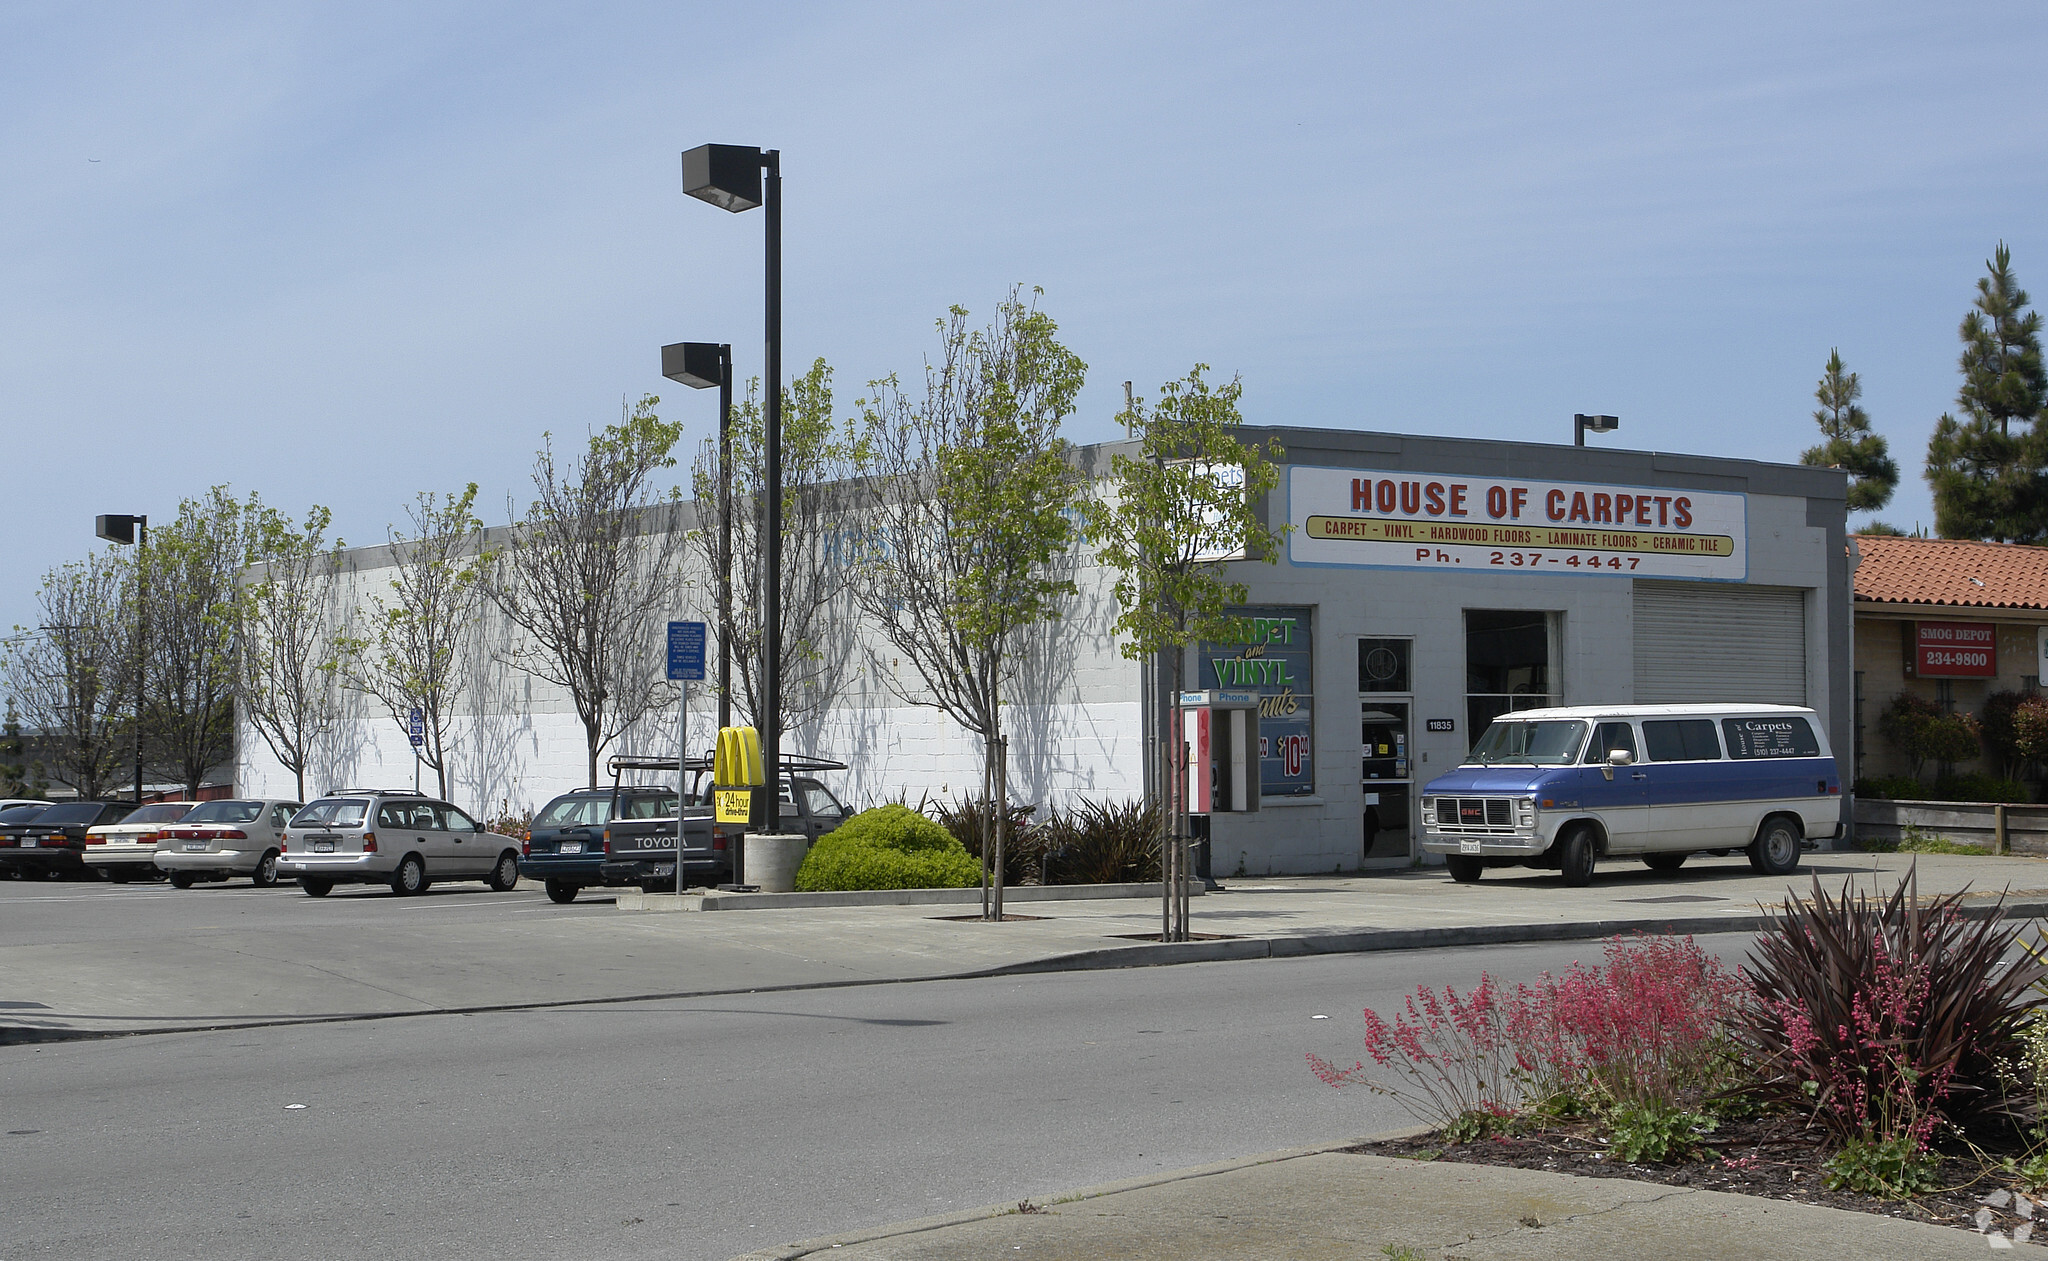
x=624 y=836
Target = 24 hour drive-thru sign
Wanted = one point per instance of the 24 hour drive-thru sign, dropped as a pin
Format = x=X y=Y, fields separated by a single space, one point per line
x=1389 y=520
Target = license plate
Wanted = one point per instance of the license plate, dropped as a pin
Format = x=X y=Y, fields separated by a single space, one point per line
x=30 y=843
x=195 y=847
x=570 y=847
x=323 y=847
x=1466 y=846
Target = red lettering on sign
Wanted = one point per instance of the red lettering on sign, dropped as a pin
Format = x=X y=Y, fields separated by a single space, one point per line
x=1496 y=502
x=1579 y=512
x=1385 y=492
x=1458 y=499
x=1603 y=508
x=1682 y=514
x=1434 y=492
x=1411 y=497
x=1518 y=497
x=1553 y=503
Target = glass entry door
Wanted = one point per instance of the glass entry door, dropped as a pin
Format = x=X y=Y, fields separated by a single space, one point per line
x=1384 y=768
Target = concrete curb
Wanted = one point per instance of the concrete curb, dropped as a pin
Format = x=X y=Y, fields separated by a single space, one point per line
x=939 y=1221
x=720 y=901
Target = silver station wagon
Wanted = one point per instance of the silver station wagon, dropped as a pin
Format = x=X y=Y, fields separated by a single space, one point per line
x=391 y=836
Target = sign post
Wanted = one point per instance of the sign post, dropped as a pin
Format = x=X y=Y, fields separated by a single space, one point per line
x=685 y=666
x=416 y=733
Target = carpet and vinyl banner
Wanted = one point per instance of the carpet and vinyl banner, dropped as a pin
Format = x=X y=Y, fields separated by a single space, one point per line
x=1389 y=520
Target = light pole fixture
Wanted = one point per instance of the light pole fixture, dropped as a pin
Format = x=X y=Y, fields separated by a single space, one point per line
x=116 y=527
x=701 y=365
x=1581 y=423
x=738 y=178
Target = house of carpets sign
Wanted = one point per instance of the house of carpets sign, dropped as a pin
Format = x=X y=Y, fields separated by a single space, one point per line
x=1387 y=520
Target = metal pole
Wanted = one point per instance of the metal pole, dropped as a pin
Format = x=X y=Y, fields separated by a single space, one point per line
x=141 y=639
x=725 y=537
x=988 y=793
x=769 y=719
x=1002 y=817
x=683 y=744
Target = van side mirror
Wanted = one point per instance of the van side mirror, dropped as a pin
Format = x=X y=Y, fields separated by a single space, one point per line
x=1620 y=757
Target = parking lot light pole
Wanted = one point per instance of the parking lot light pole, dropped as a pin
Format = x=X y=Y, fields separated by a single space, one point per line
x=701 y=365
x=1582 y=423
x=117 y=527
x=738 y=178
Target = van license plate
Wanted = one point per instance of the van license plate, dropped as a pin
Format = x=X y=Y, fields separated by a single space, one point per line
x=570 y=847
x=323 y=847
x=1467 y=846
x=195 y=847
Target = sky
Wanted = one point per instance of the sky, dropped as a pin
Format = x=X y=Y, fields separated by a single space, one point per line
x=341 y=254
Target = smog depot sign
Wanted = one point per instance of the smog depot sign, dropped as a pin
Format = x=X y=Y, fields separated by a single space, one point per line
x=1385 y=520
x=1955 y=650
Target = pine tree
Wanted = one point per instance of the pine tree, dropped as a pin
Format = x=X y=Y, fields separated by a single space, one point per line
x=1850 y=444
x=1988 y=479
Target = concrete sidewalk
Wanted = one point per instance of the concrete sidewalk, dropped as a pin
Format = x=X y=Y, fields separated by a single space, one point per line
x=1320 y=1203
x=92 y=960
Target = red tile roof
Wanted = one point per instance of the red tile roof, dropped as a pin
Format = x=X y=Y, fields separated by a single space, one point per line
x=1951 y=571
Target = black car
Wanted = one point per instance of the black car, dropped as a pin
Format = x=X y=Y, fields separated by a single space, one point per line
x=52 y=845
x=565 y=846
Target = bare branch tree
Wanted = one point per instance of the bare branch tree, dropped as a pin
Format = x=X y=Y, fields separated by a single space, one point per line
x=414 y=656
x=71 y=680
x=818 y=460
x=289 y=637
x=590 y=576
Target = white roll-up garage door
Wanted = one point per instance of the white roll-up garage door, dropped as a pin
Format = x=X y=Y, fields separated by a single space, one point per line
x=1709 y=642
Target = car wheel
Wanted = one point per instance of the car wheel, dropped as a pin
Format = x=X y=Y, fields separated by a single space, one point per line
x=1465 y=870
x=118 y=875
x=505 y=874
x=265 y=874
x=562 y=891
x=183 y=880
x=1775 y=852
x=410 y=878
x=1575 y=862
x=315 y=888
x=1665 y=862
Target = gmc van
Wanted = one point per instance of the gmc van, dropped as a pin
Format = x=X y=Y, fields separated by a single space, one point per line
x=1567 y=787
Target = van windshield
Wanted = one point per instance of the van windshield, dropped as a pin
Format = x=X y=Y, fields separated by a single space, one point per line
x=1548 y=742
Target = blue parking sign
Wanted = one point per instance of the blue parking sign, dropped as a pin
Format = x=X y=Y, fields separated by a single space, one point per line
x=686 y=651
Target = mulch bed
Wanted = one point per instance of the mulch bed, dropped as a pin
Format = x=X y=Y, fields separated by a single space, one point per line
x=1771 y=1157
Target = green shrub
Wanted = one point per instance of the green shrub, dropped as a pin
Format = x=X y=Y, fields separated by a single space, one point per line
x=889 y=847
x=1890 y=788
x=1895 y=1168
x=1655 y=1132
x=1978 y=787
x=1023 y=848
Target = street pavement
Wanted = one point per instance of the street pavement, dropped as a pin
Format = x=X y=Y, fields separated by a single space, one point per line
x=97 y=959
x=82 y=960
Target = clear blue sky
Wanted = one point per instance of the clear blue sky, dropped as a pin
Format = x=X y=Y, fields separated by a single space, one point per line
x=342 y=253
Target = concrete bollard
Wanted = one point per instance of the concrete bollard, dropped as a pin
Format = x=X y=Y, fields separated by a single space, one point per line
x=771 y=860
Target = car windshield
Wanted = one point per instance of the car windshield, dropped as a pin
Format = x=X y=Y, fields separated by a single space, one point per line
x=227 y=812
x=1546 y=742
x=72 y=812
x=333 y=812
x=570 y=812
x=21 y=814
x=160 y=812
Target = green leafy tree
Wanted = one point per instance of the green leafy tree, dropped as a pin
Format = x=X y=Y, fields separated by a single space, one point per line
x=972 y=517
x=819 y=459
x=191 y=629
x=418 y=647
x=589 y=580
x=19 y=777
x=1177 y=518
x=1987 y=472
x=290 y=635
x=1849 y=444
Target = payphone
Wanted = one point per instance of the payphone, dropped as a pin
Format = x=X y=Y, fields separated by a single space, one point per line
x=1220 y=732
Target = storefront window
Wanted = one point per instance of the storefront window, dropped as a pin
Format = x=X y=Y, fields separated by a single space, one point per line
x=1383 y=665
x=1507 y=664
x=1275 y=659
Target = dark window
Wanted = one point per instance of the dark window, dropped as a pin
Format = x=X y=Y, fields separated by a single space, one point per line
x=1609 y=736
x=1383 y=665
x=1507 y=664
x=73 y=812
x=572 y=811
x=1769 y=737
x=1681 y=740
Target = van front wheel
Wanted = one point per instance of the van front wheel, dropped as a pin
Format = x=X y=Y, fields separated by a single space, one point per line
x=1665 y=862
x=1465 y=870
x=1775 y=852
x=1575 y=860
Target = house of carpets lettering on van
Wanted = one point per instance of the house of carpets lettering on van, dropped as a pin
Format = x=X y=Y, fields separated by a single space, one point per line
x=1427 y=585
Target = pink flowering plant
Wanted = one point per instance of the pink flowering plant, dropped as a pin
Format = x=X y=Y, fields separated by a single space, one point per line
x=1643 y=1031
